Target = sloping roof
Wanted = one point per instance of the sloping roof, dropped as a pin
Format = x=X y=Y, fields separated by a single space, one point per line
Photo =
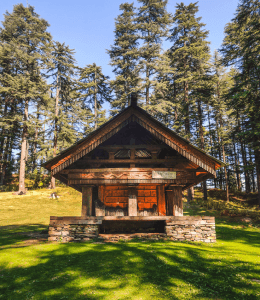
x=133 y=114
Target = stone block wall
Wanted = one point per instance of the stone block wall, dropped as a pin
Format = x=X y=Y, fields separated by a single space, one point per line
x=69 y=229
x=197 y=229
x=185 y=228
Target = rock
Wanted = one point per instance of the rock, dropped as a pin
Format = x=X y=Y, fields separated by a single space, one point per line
x=246 y=220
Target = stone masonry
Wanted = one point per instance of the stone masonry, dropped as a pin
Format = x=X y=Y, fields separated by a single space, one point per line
x=191 y=229
x=184 y=228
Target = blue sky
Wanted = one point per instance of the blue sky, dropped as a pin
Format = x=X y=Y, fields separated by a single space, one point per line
x=87 y=26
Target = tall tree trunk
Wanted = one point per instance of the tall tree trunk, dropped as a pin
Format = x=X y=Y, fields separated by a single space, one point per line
x=23 y=150
x=2 y=142
x=187 y=130
x=9 y=144
x=224 y=159
x=225 y=170
x=95 y=97
x=252 y=169
x=147 y=88
x=35 y=138
x=257 y=162
x=55 y=140
x=236 y=165
x=6 y=161
x=243 y=156
x=219 y=152
x=211 y=142
x=202 y=145
x=186 y=108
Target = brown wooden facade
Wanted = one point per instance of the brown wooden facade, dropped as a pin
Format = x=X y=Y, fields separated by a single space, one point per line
x=132 y=166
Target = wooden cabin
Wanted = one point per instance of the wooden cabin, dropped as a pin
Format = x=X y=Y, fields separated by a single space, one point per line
x=131 y=168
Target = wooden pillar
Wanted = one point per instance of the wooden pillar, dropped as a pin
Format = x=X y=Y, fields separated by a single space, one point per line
x=174 y=201
x=132 y=201
x=169 y=202
x=178 y=205
x=86 y=201
x=161 y=200
x=99 y=205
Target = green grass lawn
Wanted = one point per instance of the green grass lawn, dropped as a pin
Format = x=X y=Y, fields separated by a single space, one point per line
x=228 y=269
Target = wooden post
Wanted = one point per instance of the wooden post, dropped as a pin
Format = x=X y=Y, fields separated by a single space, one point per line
x=99 y=207
x=86 y=201
x=174 y=201
x=169 y=202
x=132 y=201
x=177 y=204
x=161 y=200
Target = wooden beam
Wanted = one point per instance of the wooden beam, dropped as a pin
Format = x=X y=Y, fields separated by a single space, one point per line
x=111 y=175
x=111 y=155
x=120 y=147
x=127 y=181
x=131 y=175
x=134 y=161
x=86 y=201
x=70 y=171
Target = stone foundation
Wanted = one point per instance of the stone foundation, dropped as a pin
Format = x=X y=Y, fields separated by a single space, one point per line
x=185 y=228
x=193 y=229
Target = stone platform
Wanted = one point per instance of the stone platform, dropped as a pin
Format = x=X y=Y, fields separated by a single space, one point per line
x=184 y=228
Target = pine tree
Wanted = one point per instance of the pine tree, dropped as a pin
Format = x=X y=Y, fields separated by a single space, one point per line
x=124 y=57
x=189 y=55
x=94 y=90
x=223 y=115
x=25 y=39
x=162 y=100
x=241 y=48
x=153 y=21
x=62 y=109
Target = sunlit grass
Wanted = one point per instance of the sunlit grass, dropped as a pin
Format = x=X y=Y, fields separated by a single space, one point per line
x=228 y=269
x=36 y=207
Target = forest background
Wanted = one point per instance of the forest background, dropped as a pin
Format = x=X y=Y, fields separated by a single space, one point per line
x=161 y=52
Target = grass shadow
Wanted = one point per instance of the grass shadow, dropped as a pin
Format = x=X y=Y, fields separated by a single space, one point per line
x=137 y=270
x=12 y=235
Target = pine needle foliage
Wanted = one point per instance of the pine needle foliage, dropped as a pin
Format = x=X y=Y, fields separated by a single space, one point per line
x=124 y=57
x=25 y=42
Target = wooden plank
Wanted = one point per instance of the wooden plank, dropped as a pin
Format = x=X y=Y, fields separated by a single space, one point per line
x=129 y=181
x=132 y=201
x=169 y=202
x=177 y=202
x=111 y=175
x=133 y=175
x=161 y=200
x=163 y=175
x=67 y=171
x=86 y=201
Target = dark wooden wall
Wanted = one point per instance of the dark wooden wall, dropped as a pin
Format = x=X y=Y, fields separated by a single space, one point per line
x=113 y=200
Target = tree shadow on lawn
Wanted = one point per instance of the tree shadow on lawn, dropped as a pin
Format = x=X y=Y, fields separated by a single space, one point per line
x=236 y=232
x=13 y=235
x=147 y=270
